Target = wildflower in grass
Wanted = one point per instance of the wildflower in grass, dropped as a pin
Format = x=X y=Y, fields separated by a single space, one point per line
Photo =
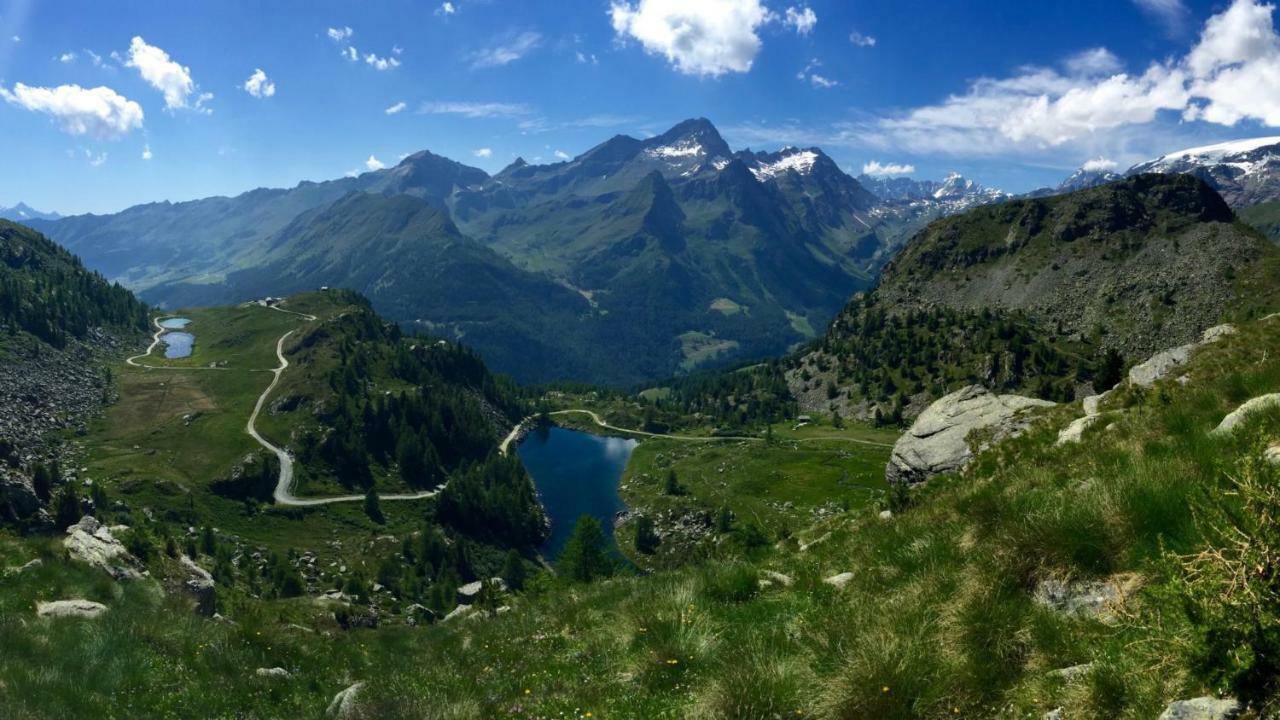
x=884 y=689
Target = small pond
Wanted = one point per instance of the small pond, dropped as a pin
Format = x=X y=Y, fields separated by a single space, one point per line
x=576 y=474
x=177 y=344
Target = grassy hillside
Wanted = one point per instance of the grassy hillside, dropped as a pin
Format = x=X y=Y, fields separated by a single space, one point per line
x=939 y=616
x=1265 y=217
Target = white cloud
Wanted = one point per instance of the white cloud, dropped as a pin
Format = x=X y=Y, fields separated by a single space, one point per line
x=861 y=40
x=169 y=77
x=483 y=152
x=446 y=8
x=1100 y=164
x=95 y=160
x=586 y=58
x=397 y=108
x=507 y=52
x=1172 y=14
x=17 y=38
x=474 y=109
x=802 y=20
x=381 y=63
x=99 y=112
x=340 y=34
x=707 y=38
x=562 y=155
x=810 y=75
x=351 y=54
x=876 y=168
x=1094 y=61
x=146 y=152
x=373 y=163
x=94 y=57
x=67 y=57
x=259 y=85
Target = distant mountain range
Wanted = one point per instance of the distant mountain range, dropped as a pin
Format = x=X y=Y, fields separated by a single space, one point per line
x=677 y=248
x=23 y=212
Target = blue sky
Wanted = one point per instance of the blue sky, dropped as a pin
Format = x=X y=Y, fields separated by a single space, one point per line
x=106 y=105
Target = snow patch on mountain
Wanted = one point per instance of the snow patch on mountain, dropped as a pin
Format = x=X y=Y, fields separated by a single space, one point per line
x=801 y=161
x=682 y=149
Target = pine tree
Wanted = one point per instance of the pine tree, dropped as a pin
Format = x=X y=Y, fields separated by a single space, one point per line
x=66 y=507
x=372 y=508
x=513 y=571
x=42 y=482
x=646 y=536
x=585 y=555
x=672 y=484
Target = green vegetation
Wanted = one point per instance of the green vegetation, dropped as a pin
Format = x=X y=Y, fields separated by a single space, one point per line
x=1265 y=217
x=45 y=291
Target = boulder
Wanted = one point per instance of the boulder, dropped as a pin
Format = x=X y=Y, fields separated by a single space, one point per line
x=91 y=542
x=1091 y=404
x=468 y=593
x=1072 y=674
x=70 y=608
x=460 y=611
x=773 y=576
x=275 y=673
x=937 y=441
x=1073 y=432
x=1159 y=365
x=1237 y=416
x=1216 y=333
x=201 y=586
x=1092 y=599
x=1202 y=708
x=345 y=704
x=840 y=580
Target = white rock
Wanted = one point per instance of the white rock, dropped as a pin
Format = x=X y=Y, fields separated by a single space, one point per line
x=1202 y=708
x=343 y=706
x=70 y=608
x=839 y=581
x=1237 y=416
x=777 y=577
x=275 y=673
x=1073 y=432
x=886 y=514
x=1217 y=332
x=90 y=542
x=937 y=441
x=1159 y=365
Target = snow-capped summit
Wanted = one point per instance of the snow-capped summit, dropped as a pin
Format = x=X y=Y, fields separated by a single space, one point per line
x=23 y=212
x=1245 y=172
x=788 y=159
x=1086 y=177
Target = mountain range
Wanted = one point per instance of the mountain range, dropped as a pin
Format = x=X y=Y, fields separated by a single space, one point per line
x=677 y=246
x=23 y=212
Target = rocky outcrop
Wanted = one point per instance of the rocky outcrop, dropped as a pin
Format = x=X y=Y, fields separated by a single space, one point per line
x=274 y=673
x=1145 y=374
x=201 y=586
x=345 y=704
x=469 y=593
x=1202 y=708
x=70 y=608
x=839 y=580
x=1092 y=599
x=91 y=542
x=1163 y=363
x=1237 y=416
x=938 y=441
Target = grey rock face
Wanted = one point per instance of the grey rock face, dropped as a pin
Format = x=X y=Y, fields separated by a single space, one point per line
x=937 y=441
x=1202 y=708
x=274 y=673
x=17 y=497
x=91 y=542
x=70 y=608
